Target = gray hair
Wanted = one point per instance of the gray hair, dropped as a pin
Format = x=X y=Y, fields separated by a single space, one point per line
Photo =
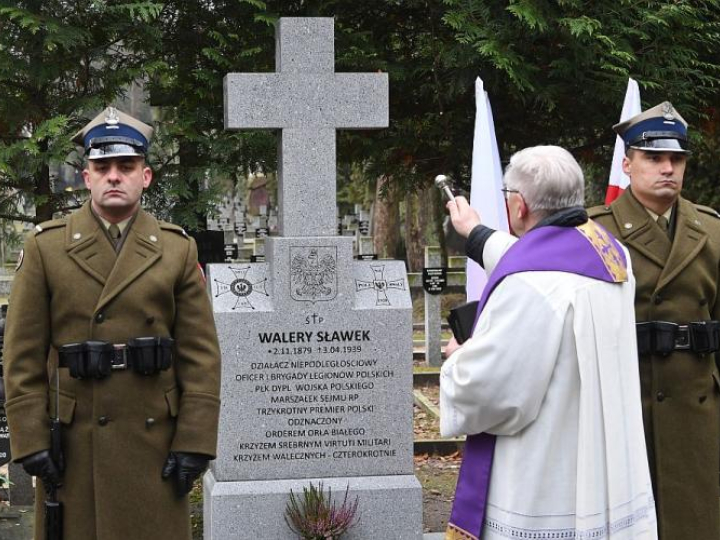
x=547 y=177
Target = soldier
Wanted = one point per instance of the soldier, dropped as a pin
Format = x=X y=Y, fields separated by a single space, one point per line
x=675 y=250
x=112 y=302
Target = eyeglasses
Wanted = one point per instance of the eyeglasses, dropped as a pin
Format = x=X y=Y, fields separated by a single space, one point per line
x=507 y=191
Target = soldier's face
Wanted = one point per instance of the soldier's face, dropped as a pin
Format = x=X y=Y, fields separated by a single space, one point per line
x=656 y=177
x=116 y=185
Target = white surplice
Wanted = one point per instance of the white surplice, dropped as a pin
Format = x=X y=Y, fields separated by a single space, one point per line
x=552 y=370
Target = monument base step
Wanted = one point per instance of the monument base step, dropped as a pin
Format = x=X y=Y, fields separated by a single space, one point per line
x=390 y=507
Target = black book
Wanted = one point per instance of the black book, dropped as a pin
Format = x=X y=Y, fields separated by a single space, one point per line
x=462 y=320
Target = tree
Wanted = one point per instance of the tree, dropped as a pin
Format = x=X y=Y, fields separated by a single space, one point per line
x=59 y=61
x=200 y=41
x=556 y=71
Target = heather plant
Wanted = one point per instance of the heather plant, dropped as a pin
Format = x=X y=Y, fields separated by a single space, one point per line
x=315 y=516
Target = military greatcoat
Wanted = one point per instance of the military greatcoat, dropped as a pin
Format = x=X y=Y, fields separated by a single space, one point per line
x=117 y=432
x=677 y=281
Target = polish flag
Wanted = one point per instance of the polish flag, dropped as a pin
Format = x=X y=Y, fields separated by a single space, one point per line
x=485 y=184
x=619 y=181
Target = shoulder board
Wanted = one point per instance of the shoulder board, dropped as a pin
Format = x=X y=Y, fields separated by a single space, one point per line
x=596 y=211
x=164 y=225
x=707 y=210
x=47 y=225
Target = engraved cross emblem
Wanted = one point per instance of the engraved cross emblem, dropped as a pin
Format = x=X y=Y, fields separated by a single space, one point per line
x=241 y=287
x=380 y=285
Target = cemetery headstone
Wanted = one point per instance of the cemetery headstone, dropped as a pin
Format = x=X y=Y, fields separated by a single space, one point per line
x=433 y=320
x=364 y=222
x=231 y=252
x=366 y=249
x=317 y=349
x=434 y=280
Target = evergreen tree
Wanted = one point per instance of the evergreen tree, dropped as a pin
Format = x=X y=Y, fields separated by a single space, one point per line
x=59 y=62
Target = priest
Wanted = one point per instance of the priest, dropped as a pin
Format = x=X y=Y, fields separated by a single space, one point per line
x=547 y=388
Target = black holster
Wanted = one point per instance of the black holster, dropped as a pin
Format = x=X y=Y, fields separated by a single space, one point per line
x=705 y=336
x=87 y=360
x=150 y=355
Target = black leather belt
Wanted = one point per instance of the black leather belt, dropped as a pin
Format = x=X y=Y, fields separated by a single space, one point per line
x=97 y=359
x=662 y=337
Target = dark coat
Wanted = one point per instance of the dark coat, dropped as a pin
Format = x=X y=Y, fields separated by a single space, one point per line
x=117 y=432
x=677 y=281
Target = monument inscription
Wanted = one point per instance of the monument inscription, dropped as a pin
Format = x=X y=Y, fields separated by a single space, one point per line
x=320 y=382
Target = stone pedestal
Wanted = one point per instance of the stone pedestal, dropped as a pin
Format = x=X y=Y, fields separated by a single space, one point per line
x=388 y=506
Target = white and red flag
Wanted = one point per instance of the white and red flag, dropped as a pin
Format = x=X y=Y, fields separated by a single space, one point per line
x=485 y=184
x=619 y=181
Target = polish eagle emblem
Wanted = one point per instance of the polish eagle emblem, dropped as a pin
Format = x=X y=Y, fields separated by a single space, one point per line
x=313 y=274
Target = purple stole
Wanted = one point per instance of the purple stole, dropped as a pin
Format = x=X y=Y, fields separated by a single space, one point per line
x=587 y=250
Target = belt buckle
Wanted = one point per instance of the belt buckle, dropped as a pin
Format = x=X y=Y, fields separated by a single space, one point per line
x=682 y=338
x=120 y=354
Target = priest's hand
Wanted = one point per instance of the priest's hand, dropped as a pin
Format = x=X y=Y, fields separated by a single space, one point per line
x=184 y=468
x=451 y=347
x=464 y=218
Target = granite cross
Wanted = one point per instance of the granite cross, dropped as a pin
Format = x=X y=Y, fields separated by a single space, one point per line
x=307 y=101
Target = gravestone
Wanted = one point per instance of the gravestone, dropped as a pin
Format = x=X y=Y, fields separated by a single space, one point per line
x=433 y=320
x=366 y=248
x=316 y=347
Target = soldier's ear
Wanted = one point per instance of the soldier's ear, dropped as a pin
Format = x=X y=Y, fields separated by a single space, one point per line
x=626 y=165
x=147 y=177
x=86 y=177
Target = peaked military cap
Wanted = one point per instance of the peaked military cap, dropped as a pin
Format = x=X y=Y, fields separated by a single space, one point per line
x=659 y=129
x=112 y=133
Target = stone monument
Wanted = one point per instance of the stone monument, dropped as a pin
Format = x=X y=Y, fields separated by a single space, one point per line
x=317 y=347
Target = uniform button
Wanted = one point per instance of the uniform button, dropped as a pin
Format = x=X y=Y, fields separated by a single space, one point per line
x=103 y=420
x=657 y=300
x=100 y=317
x=660 y=396
x=150 y=422
x=150 y=320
